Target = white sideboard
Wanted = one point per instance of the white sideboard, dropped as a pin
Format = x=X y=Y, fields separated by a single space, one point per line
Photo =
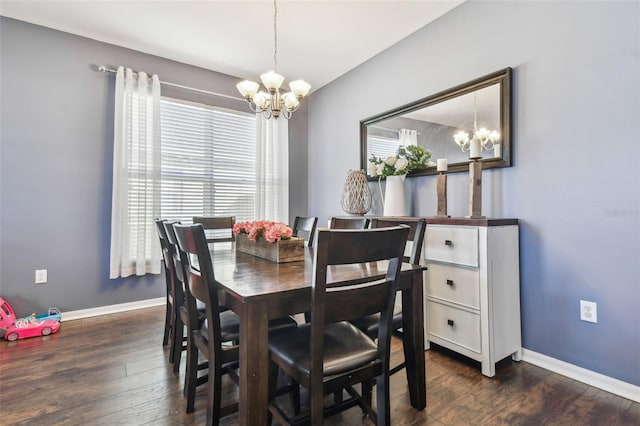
x=472 y=288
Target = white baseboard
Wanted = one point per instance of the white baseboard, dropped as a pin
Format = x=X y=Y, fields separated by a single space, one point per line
x=600 y=381
x=112 y=309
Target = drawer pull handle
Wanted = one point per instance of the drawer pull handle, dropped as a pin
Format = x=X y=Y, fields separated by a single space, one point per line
x=450 y=322
x=450 y=282
x=448 y=242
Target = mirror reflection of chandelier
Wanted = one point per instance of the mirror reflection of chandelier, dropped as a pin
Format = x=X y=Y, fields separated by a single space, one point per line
x=488 y=138
x=272 y=103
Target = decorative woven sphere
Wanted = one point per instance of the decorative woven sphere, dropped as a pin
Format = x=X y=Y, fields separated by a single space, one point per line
x=356 y=195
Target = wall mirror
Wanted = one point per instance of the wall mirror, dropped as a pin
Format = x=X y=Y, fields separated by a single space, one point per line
x=436 y=122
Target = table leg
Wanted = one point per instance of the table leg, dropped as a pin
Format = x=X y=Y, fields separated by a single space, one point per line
x=254 y=364
x=413 y=341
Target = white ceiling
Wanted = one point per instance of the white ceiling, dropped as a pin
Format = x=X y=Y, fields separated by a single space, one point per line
x=318 y=40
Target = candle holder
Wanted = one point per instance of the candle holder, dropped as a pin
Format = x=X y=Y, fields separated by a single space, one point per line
x=475 y=189
x=441 y=188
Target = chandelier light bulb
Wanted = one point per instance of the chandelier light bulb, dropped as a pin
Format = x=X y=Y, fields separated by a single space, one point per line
x=261 y=99
x=248 y=88
x=461 y=138
x=494 y=136
x=483 y=134
x=299 y=88
x=272 y=80
x=290 y=101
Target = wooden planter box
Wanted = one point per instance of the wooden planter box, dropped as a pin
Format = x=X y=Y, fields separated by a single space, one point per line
x=281 y=251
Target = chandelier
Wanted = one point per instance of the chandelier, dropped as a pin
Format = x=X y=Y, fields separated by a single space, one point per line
x=486 y=138
x=272 y=103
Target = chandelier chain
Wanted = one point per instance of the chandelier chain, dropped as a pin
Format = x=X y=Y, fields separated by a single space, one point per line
x=275 y=36
x=475 y=112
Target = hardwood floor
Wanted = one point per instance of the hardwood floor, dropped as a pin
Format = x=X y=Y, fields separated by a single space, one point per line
x=113 y=370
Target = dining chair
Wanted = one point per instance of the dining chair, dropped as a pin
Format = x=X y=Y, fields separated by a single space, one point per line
x=329 y=353
x=217 y=228
x=181 y=339
x=349 y=223
x=417 y=227
x=216 y=338
x=344 y=223
x=305 y=227
x=172 y=300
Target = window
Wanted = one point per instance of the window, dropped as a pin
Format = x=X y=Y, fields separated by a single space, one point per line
x=208 y=161
x=382 y=147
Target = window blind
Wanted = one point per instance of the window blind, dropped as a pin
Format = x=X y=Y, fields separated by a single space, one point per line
x=208 y=161
x=381 y=147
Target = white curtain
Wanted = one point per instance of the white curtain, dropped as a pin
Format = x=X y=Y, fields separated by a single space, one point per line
x=272 y=169
x=408 y=137
x=135 y=248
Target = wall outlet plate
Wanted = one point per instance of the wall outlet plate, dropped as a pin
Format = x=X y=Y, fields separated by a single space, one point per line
x=588 y=311
x=41 y=276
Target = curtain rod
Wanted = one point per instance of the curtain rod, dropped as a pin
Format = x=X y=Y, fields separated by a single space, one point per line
x=105 y=69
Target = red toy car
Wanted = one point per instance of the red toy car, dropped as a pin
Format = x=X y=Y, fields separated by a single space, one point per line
x=31 y=326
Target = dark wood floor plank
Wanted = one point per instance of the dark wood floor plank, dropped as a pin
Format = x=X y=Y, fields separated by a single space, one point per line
x=113 y=370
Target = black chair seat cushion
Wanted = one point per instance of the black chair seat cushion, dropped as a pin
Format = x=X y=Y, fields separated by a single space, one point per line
x=230 y=326
x=345 y=348
x=369 y=324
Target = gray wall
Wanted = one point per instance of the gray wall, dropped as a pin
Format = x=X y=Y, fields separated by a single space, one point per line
x=56 y=133
x=575 y=185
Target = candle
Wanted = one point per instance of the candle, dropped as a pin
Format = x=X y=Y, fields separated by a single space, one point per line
x=475 y=152
x=442 y=164
x=497 y=151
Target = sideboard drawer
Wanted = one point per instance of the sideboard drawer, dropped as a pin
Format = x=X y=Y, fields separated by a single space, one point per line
x=452 y=244
x=454 y=325
x=454 y=284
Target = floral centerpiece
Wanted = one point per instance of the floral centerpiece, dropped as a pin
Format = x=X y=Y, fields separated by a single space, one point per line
x=407 y=159
x=271 y=231
x=269 y=240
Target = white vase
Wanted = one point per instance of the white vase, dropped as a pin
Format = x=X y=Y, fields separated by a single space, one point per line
x=394 y=199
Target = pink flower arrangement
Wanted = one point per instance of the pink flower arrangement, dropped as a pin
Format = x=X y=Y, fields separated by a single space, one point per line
x=272 y=231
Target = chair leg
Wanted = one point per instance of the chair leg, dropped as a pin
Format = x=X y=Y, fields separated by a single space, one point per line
x=383 y=404
x=295 y=397
x=273 y=384
x=367 y=391
x=191 y=375
x=214 y=387
x=167 y=325
x=176 y=343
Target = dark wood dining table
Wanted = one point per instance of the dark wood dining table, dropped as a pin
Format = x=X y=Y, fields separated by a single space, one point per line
x=258 y=290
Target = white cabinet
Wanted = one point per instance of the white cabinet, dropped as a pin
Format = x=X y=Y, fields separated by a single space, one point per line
x=472 y=288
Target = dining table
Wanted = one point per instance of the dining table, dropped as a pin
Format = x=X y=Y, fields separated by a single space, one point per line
x=258 y=290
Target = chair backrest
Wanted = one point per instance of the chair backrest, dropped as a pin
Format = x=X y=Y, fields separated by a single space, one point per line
x=177 y=271
x=166 y=257
x=417 y=229
x=349 y=223
x=341 y=300
x=220 y=227
x=194 y=252
x=305 y=227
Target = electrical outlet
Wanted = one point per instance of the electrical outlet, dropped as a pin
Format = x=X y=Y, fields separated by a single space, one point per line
x=588 y=311
x=41 y=276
